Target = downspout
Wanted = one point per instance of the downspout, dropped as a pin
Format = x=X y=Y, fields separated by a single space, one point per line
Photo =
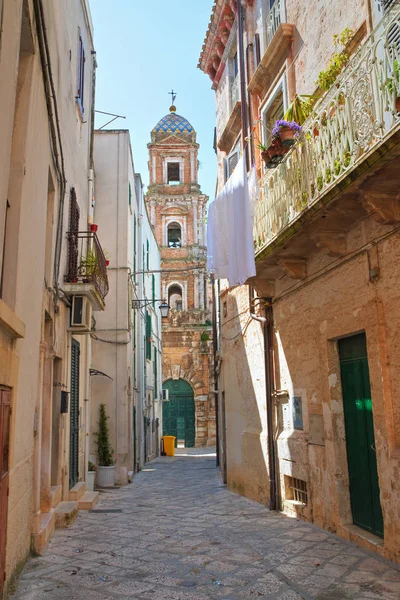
x=243 y=95
x=216 y=379
x=267 y=323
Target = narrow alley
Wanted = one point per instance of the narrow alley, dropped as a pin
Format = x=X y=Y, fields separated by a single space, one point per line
x=177 y=533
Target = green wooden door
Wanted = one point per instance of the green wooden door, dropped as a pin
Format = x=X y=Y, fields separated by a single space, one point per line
x=360 y=441
x=179 y=412
x=74 y=416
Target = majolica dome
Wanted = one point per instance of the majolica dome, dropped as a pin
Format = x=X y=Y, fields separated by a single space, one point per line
x=173 y=123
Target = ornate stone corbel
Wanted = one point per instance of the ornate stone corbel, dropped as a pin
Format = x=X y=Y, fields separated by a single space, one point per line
x=384 y=207
x=294 y=267
x=333 y=241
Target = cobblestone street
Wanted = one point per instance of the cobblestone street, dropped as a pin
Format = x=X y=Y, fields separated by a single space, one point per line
x=176 y=533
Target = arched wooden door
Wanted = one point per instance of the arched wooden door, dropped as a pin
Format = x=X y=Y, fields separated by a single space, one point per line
x=179 y=412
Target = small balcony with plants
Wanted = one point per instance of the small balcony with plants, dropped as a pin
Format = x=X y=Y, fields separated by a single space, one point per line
x=334 y=159
x=86 y=268
x=277 y=39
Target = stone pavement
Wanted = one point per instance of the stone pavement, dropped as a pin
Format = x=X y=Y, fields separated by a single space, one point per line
x=176 y=533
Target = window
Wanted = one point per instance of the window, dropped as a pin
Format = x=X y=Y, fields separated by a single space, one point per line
x=153 y=289
x=296 y=490
x=147 y=255
x=175 y=297
x=130 y=195
x=174 y=235
x=173 y=176
x=81 y=73
x=274 y=110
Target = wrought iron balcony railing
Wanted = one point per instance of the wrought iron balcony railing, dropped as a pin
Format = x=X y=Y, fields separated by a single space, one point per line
x=272 y=22
x=355 y=117
x=86 y=261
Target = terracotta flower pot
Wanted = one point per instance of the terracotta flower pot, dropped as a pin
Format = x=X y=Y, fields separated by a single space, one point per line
x=107 y=263
x=273 y=155
x=94 y=228
x=286 y=135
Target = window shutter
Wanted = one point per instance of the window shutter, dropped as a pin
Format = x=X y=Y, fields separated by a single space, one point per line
x=153 y=288
x=257 y=50
x=155 y=373
x=147 y=254
x=134 y=248
x=148 y=336
x=233 y=160
x=130 y=195
x=225 y=170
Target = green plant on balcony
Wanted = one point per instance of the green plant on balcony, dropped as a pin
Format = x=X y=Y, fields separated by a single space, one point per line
x=337 y=62
x=392 y=84
x=300 y=108
x=204 y=337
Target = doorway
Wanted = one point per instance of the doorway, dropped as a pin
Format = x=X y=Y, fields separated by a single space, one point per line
x=360 y=441
x=179 y=413
x=5 y=411
x=74 y=416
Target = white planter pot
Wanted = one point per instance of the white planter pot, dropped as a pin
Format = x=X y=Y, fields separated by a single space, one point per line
x=90 y=481
x=105 y=476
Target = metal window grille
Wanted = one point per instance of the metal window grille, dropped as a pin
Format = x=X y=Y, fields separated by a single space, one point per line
x=299 y=490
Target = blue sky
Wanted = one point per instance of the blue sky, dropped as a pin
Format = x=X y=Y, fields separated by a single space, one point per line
x=144 y=49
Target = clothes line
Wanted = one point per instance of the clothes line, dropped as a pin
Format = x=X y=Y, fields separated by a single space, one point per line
x=230 y=245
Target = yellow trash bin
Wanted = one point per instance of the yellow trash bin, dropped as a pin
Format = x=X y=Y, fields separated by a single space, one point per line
x=169 y=444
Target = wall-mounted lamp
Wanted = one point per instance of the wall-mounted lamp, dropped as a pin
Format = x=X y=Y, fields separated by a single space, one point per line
x=142 y=303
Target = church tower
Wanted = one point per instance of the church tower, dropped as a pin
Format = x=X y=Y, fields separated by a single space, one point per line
x=177 y=212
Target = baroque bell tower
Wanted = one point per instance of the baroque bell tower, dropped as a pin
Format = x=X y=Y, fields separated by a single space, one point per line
x=177 y=212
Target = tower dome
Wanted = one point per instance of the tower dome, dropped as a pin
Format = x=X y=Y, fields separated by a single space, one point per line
x=173 y=123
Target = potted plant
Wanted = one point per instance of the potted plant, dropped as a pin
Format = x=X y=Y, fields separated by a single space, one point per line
x=94 y=227
x=273 y=155
x=337 y=61
x=106 y=466
x=90 y=476
x=286 y=131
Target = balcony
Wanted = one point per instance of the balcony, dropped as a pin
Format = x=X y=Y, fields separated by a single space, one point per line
x=346 y=156
x=278 y=37
x=86 y=268
x=233 y=124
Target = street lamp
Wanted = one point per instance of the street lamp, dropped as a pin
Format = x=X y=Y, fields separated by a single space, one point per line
x=142 y=303
x=164 y=309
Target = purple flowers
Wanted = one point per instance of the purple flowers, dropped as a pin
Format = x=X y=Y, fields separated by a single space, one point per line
x=282 y=124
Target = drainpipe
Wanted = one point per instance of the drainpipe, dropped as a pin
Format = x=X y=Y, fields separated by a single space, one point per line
x=216 y=386
x=243 y=94
x=267 y=323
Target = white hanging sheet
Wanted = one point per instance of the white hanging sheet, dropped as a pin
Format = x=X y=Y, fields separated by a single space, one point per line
x=230 y=244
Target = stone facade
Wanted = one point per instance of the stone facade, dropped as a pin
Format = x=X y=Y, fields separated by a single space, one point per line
x=46 y=172
x=327 y=264
x=177 y=210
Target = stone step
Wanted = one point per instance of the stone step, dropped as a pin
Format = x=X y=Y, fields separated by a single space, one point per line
x=47 y=527
x=55 y=492
x=66 y=514
x=88 y=500
x=76 y=493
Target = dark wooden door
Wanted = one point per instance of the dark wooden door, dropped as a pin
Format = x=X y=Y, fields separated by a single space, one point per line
x=5 y=411
x=74 y=416
x=179 y=412
x=360 y=441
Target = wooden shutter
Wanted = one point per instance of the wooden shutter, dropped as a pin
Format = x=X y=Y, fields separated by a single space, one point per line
x=155 y=374
x=74 y=415
x=148 y=336
x=153 y=289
